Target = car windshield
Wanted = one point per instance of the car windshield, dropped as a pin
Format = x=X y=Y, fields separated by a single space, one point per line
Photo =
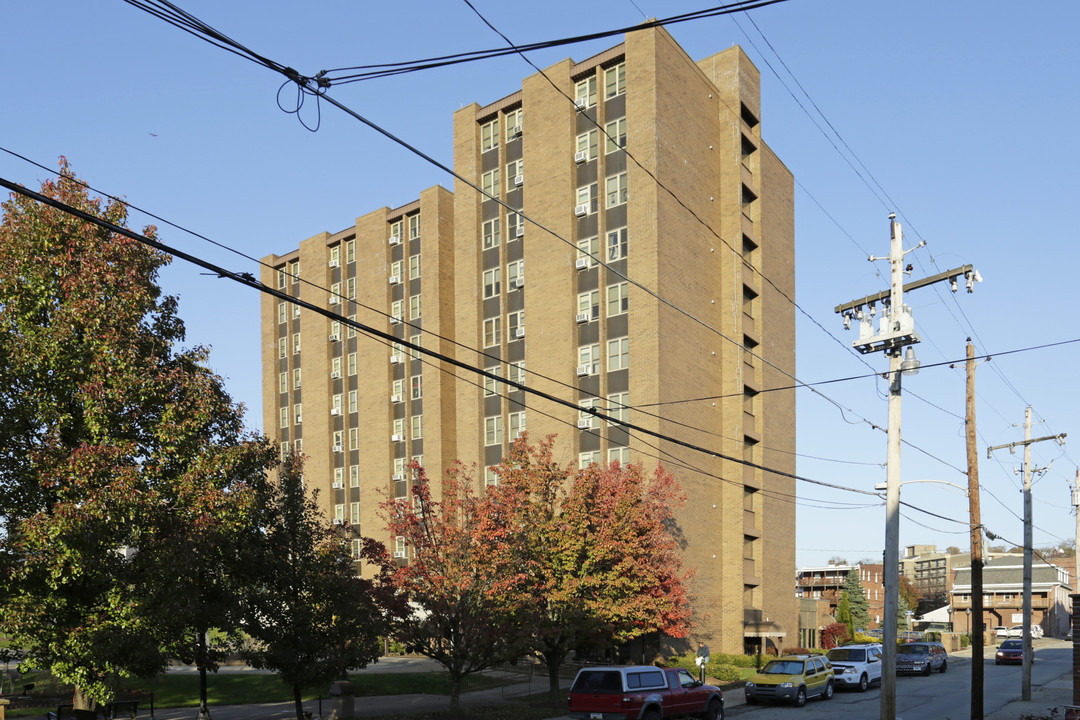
x=783 y=667
x=1012 y=645
x=915 y=650
x=847 y=655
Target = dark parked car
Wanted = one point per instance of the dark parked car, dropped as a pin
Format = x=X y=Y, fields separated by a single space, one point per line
x=921 y=657
x=1010 y=651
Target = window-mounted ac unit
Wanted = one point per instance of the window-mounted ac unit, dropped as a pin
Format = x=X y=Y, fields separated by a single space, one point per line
x=397 y=438
x=396 y=359
x=395 y=240
x=297 y=385
x=395 y=279
x=518 y=282
x=581 y=102
x=299 y=419
x=334 y=299
x=581 y=210
x=582 y=370
x=394 y=319
x=337 y=449
x=339 y=521
x=334 y=337
x=395 y=398
x=399 y=554
x=296 y=311
x=519 y=180
x=582 y=317
x=335 y=375
x=335 y=411
x=520 y=332
x=582 y=264
x=398 y=477
x=513 y=131
x=519 y=231
x=584 y=424
x=339 y=485
x=334 y=263
x=581 y=156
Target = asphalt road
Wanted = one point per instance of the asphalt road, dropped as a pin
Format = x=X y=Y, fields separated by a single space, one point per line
x=937 y=696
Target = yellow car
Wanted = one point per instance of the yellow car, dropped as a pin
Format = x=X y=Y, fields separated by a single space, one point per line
x=793 y=678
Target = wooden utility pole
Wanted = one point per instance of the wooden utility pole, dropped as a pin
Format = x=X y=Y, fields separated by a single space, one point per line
x=977 y=633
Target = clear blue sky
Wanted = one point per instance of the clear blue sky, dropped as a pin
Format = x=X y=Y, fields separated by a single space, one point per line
x=964 y=112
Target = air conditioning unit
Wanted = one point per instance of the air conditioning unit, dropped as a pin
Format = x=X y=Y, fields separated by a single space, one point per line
x=398 y=477
x=584 y=424
x=334 y=299
x=397 y=438
x=519 y=180
x=582 y=370
x=513 y=131
x=334 y=264
x=581 y=102
x=334 y=337
x=582 y=317
x=399 y=554
x=395 y=279
x=339 y=485
x=396 y=359
x=581 y=210
x=394 y=319
x=335 y=375
x=297 y=385
x=395 y=240
x=395 y=398
x=582 y=264
x=339 y=521
x=299 y=419
x=519 y=231
x=581 y=156
x=337 y=449
x=518 y=282
x=335 y=411
x=296 y=311
x=519 y=333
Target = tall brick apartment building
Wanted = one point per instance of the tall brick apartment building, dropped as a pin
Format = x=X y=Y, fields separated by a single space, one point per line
x=539 y=294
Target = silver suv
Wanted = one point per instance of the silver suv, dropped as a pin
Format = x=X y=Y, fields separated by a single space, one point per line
x=856 y=665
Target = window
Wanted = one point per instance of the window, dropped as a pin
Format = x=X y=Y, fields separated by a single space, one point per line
x=585 y=405
x=294 y=269
x=516 y=372
x=283 y=416
x=589 y=248
x=586 y=143
x=354 y=513
x=616 y=190
x=491 y=282
x=586 y=459
x=281 y=275
x=588 y=303
x=335 y=367
x=414 y=267
x=296 y=311
x=339 y=513
x=298 y=416
x=616 y=244
x=296 y=378
x=585 y=92
x=351 y=363
x=399 y=546
x=283 y=382
x=335 y=327
x=414 y=307
x=397 y=310
x=339 y=477
x=489 y=135
x=513 y=170
x=617 y=300
x=397 y=388
x=399 y=427
x=336 y=404
x=513 y=124
x=283 y=450
x=339 y=438
x=489 y=183
x=298 y=446
x=414 y=226
x=351 y=332
x=353 y=401
x=490 y=233
x=354 y=439
x=615 y=81
x=396 y=229
x=517 y=424
x=620 y=455
x=354 y=476
x=417 y=427
x=515 y=226
x=490 y=476
x=515 y=322
x=335 y=293
x=619 y=406
x=616 y=135
x=350 y=251
x=350 y=288
x=282 y=313
x=492 y=332
x=493 y=430
x=587 y=195
x=589 y=357
x=515 y=274
x=418 y=342
x=491 y=385
x=282 y=347
x=395 y=269
x=296 y=343
x=399 y=466
x=335 y=255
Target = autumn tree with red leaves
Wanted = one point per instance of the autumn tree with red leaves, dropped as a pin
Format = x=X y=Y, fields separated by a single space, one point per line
x=118 y=453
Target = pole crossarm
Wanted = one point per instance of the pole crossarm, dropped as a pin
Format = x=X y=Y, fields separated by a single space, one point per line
x=908 y=287
x=1060 y=439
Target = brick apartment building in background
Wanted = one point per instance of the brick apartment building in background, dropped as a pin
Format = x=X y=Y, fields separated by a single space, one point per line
x=539 y=294
x=818 y=590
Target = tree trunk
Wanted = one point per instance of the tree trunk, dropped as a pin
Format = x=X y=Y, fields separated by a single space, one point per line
x=553 y=662
x=298 y=701
x=82 y=701
x=202 y=669
x=455 y=691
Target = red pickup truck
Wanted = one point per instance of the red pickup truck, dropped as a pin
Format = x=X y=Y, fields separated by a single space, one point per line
x=642 y=692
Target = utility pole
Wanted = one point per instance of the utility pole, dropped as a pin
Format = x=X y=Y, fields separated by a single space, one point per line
x=978 y=634
x=1076 y=537
x=1025 y=675
x=896 y=331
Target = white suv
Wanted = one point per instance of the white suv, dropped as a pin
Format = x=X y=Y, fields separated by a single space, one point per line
x=856 y=665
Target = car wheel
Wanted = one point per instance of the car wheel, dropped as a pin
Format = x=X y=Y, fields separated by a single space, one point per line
x=863 y=683
x=800 y=697
x=997 y=662
x=651 y=715
x=926 y=670
x=715 y=711
x=944 y=666
x=827 y=695
x=751 y=701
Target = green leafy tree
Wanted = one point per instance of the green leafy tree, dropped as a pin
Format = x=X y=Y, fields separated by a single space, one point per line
x=860 y=608
x=843 y=614
x=592 y=552
x=108 y=436
x=308 y=614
